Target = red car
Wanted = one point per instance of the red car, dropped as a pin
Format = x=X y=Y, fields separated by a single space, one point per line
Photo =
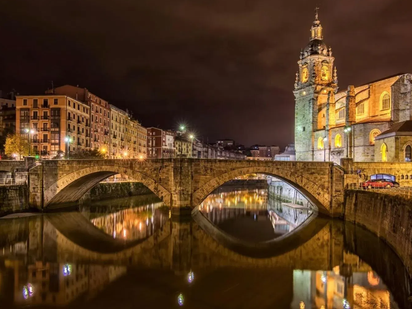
x=379 y=183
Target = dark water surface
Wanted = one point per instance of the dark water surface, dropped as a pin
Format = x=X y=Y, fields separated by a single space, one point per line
x=240 y=250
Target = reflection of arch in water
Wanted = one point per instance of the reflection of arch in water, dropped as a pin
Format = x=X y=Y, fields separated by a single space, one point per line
x=278 y=246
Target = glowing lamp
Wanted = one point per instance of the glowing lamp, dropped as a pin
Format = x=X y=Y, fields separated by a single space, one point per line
x=180 y=300
x=190 y=277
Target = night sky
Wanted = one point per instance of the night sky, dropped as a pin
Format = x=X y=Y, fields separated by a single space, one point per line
x=224 y=67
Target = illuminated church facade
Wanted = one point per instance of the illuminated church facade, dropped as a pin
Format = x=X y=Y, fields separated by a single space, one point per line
x=371 y=122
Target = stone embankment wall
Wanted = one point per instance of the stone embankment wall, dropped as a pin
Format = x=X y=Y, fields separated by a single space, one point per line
x=387 y=216
x=13 y=199
x=111 y=190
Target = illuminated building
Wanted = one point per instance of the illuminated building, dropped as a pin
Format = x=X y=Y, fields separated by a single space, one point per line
x=160 y=143
x=364 y=123
x=99 y=114
x=48 y=120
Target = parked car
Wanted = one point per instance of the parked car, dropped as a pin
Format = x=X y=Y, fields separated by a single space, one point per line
x=379 y=183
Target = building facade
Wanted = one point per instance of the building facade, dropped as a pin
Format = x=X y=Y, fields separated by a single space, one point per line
x=141 y=142
x=160 y=143
x=53 y=124
x=7 y=116
x=99 y=114
x=330 y=125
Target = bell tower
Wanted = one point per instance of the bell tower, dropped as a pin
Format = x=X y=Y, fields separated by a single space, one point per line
x=315 y=86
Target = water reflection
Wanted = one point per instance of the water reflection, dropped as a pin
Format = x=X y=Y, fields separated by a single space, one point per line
x=132 y=224
x=252 y=215
x=44 y=261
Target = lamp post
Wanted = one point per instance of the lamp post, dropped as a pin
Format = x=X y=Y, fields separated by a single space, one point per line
x=29 y=132
x=347 y=131
x=325 y=139
x=68 y=140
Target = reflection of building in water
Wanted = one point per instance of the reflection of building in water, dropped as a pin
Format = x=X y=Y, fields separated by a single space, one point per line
x=340 y=289
x=286 y=193
x=135 y=223
x=53 y=283
x=227 y=205
x=295 y=215
x=249 y=199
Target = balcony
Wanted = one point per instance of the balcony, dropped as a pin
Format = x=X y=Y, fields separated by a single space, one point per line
x=35 y=117
x=44 y=117
x=45 y=106
x=45 y=129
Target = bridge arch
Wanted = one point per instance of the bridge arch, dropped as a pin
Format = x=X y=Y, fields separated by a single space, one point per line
x=72 y=186
x=317 y=192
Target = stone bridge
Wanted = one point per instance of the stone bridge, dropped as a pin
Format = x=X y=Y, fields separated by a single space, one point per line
x=181 y=183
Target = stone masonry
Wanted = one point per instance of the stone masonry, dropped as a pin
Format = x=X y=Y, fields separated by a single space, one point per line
x=181 y=183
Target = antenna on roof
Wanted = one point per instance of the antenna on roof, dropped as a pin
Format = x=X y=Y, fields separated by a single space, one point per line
x=52 y=84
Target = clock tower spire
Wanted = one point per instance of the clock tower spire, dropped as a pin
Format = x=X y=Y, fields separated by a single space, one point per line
x=315 y=86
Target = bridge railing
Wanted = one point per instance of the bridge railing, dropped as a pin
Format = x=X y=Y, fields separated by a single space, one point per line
x=405 y=192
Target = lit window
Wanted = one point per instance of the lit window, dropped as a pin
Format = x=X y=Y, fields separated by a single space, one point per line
x=386 y=102
x=341 y=114
x=338 y=141
x=384 y=152
x=320 y=143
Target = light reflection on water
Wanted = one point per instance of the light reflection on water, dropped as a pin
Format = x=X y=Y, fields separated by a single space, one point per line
x=177 y=264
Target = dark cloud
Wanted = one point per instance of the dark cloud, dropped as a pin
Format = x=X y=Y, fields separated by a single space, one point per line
x=226 y=67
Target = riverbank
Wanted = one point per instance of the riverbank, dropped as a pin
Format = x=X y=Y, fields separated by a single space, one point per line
x=389 y=217
x=13 y=199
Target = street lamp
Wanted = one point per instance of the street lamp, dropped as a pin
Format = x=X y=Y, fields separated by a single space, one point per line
x=29 y=132
x=347 y=131
x=325 y=139
x=182 y=127
x=68 y=140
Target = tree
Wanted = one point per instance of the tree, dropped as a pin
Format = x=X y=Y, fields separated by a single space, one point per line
x=16 y=145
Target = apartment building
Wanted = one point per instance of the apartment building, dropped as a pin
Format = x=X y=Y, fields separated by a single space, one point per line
x=160 y=143
x=53 y=124
x=99 y=114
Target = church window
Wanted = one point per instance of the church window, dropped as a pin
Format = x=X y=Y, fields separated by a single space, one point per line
x=338 y=141
x=372 y=135
x=305 y=74
x=341 y=114
x=384 y=152
x=320 y=143
x=386 y=102
x=325 y=72
x=360 y=110
x=408 y=153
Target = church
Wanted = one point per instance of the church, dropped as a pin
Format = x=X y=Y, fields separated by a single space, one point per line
x=370 y=122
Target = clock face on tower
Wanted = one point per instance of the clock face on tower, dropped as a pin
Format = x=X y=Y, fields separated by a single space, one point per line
x=305 y=75
x=325 y=73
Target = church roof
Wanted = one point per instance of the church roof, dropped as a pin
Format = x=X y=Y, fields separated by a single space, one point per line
x=403 y=128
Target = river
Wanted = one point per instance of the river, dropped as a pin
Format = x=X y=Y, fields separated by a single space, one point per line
x=240 y=249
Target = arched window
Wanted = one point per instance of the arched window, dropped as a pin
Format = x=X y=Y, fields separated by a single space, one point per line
x=408 y=153
x=384 y=152
x=385 y=101
x=372 y=135
x=320 y=143
x=338 y=141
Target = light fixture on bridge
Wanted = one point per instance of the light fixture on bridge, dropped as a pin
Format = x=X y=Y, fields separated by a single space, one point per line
x=191 y=136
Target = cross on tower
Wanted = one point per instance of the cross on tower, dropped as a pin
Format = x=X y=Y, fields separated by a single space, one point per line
x=316 y=13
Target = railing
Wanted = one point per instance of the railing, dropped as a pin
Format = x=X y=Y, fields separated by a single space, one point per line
x=405 y=192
